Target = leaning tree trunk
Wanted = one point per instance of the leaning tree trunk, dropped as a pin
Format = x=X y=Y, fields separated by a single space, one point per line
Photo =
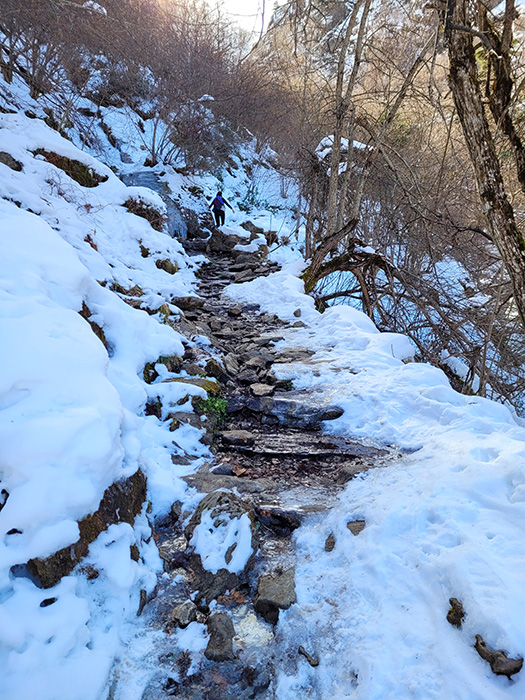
x=464 y=81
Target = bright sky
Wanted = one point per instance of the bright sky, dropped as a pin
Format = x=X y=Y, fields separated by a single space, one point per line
x=248 y=13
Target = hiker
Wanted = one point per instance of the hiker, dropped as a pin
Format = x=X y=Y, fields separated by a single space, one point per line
x=219 y=205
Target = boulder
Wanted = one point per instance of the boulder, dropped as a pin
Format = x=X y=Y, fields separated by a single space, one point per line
x=275 y=591
x=220 y=242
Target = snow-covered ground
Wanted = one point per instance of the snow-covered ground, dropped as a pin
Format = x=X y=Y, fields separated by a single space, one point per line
x=446 y=520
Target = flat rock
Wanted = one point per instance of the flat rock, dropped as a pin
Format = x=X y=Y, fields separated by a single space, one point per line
x=262 y=389
x=293 y=411
x=238 y=437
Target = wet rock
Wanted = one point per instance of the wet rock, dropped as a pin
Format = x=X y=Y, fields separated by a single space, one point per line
x=188 y=303
x=356 y=526
x=313 y=662
x=220 y=645
x=121 y=503
x=329 y=543
x=182 y=616
x=500 y=663
x=238 y=437
x=216 y=370
x=456 y=614
x=275 y=592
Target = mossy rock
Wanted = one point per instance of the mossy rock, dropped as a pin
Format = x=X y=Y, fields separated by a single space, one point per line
x=146 y=211
x=167 y=265
x=121 y=503
x=80 y=172
x=209 y=385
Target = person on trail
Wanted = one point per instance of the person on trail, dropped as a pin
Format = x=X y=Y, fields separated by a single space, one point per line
x=219 y=205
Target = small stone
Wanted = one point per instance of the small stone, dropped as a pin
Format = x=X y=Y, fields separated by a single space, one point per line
x=182 y=616
x=235 y=311
x=499 y=662
x=297 y=313
x=313 y=662
x=262 y=389
x=329 y=543
x=215 y=324
x=238 y=437
x=220 y=645
x=356 y=526
x=456 y=614
x=298 y=324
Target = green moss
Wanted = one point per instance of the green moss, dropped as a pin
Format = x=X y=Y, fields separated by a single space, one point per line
x=215 y=408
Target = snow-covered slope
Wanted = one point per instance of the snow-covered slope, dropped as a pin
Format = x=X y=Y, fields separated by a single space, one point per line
x=71 y=418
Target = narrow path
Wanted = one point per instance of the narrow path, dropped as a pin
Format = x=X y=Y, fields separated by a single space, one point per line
x=272 y=461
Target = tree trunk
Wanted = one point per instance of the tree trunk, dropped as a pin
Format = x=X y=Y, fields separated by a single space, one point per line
x=498 y=210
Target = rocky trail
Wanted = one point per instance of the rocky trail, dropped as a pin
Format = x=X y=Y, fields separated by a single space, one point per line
x=271 y=462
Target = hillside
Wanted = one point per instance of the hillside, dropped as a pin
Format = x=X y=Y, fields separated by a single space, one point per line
x=209 y=488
